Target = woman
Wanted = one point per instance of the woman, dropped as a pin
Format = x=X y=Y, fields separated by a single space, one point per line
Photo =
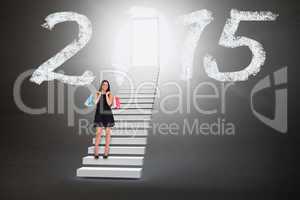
x=103 y=117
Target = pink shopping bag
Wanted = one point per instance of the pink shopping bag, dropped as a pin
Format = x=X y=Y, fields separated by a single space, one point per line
x=117 y=102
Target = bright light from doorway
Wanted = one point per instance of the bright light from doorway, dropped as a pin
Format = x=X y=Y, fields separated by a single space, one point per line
x=142 y=12
x=145 y=42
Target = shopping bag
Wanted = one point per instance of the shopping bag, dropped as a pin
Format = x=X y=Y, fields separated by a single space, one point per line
x=89 y=101
x=117 y=102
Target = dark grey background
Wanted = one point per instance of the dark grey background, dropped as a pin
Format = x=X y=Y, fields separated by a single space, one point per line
x=40 y=153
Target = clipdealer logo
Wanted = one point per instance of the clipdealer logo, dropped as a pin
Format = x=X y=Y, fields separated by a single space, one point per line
x=195 y=23
x=280 y=121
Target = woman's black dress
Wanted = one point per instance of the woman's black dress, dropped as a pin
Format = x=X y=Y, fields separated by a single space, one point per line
x=103 y=114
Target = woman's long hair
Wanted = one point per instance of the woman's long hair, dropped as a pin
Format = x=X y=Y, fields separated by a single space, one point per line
x=108 y=88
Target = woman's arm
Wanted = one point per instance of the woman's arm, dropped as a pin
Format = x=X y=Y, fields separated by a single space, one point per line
x=97 y=97
x=109 y=98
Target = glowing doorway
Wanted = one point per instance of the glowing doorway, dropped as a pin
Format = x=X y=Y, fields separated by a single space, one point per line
x=145 y=42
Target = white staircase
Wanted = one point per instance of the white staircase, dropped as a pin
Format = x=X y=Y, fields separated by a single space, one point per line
x=128 y=136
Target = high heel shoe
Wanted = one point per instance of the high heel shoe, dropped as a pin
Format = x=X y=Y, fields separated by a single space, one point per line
x=105 y=156
x=96 y=156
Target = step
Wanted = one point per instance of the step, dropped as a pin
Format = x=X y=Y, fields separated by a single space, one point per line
x=132 y=117
x=109 y=172
x=124 y=140
x=131 y=125
x=114 y=160
x=136 y=106
x=138 y=87
x=128 y=150
x=135 y=96
x=136 y=91
x=128 y=132
x=137 y=101
x=132 y=111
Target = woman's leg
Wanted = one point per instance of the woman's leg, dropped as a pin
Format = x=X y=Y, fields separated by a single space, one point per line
x=107 y=140
x=98 y=139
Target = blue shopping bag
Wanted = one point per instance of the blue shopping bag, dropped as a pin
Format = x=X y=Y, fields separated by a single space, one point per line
x=89 y=101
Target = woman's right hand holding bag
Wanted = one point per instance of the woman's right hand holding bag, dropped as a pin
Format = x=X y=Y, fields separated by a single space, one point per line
x=97 y=97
